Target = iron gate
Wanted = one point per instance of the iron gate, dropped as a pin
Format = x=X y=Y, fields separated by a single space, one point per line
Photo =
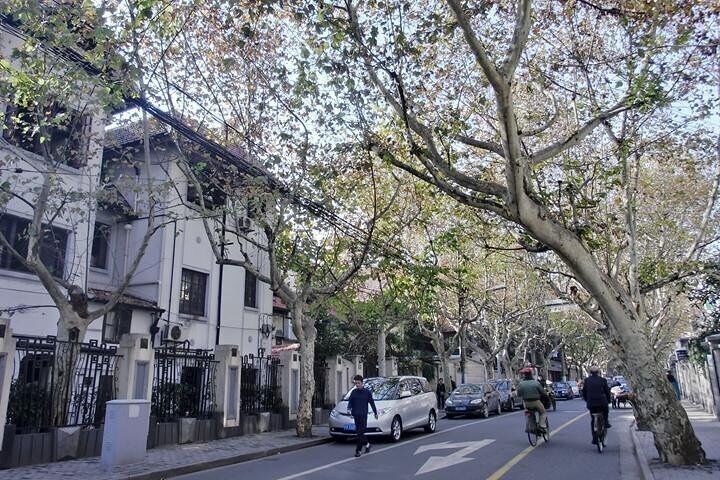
x=260 y=384
x=184 y=382
x=320 y=373
x=43 y=394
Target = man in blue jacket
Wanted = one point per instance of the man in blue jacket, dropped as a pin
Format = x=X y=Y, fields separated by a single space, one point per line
x=360 y=398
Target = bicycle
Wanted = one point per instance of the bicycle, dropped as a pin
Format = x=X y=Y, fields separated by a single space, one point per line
x=599 y=430
x=532 y=430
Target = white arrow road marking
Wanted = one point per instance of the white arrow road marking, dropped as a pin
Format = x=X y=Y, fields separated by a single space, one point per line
x=436 y=463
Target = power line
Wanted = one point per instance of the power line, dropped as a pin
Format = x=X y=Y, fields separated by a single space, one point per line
x=244 y=166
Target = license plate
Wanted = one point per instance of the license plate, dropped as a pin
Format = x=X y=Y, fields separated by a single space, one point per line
x=459 y=408
x=349 y=427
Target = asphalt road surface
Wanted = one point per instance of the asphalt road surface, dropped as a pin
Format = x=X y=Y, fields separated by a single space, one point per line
x=492 y=448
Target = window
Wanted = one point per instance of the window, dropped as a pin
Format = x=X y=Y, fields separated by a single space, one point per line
x=53 y=243
x=213 y=196
x=250 y=290
x=116 y=324
x=192 y=292
x=100 y=246
x=65 y=131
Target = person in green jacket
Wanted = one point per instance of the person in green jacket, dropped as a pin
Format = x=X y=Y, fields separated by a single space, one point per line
x=531 y=392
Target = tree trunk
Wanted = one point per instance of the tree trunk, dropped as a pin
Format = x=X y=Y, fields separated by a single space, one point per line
x=304 y=328
x=381 y=342
x=674 y=437
x=70 y=335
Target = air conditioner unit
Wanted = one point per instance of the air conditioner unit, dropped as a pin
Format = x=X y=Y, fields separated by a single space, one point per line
x=175 y=333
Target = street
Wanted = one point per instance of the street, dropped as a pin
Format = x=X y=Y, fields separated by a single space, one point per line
x=492 y=448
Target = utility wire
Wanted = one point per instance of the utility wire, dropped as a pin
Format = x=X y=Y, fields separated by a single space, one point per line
x=244 y=166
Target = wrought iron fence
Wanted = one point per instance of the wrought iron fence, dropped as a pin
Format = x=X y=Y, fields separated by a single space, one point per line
x=260 y=384
x=184 y=382
x=320 y=373
x=57 y=383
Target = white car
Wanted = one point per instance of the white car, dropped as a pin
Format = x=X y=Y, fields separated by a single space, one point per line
x=402 y=402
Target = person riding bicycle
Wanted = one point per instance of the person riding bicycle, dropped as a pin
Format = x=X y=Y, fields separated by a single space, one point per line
x=596 y=394
x=532 y=392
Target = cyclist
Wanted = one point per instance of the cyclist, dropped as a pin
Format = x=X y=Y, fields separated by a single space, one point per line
x=532 y=392
x=596 y=394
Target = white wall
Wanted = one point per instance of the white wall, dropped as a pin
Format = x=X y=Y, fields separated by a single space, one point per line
x=18 y=288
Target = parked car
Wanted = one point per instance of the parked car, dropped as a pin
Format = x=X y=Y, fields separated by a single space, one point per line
x=575 y=388
x=563 y=390
x=473 y=399
x=508 y=398
x=403 y=403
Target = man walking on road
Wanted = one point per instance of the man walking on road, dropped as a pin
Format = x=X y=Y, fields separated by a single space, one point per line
x=360 y=398
x=596 y=394
x=440 y=391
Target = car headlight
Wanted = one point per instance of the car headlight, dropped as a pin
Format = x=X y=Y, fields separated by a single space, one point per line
x=448 y=402
x=384 y=411
x=334 y=413
x=477 y=401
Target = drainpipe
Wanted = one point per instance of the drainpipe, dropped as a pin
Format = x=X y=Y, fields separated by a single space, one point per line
x=172 y=273
x=220 y=282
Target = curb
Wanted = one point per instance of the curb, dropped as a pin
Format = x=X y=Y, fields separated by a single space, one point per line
x=640 y=455
x=221 y=462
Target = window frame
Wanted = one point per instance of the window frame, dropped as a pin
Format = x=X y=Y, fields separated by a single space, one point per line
x=18 y=228
x=191 y=306
x=107 y=245
x=118 y=321
x=255 y=298
x=67 y=145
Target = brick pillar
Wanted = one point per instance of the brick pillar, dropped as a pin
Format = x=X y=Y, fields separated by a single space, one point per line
x=227 y=384
x=7 y=357
x=358 y=368
x=135 y=367
x=713 y=360
x=391 y=366
x=290 y=374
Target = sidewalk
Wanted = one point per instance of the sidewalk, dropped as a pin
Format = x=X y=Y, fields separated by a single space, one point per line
x=175 y=460
x=707 y=429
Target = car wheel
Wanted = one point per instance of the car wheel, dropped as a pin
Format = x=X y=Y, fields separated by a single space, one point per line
x=432 y=423
x=396 y=429
x=484 y=412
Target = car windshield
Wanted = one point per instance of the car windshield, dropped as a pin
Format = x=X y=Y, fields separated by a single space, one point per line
x=468 y=390
x=380 y=388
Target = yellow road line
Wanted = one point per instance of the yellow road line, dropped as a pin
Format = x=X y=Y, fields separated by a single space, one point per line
x=513 y=461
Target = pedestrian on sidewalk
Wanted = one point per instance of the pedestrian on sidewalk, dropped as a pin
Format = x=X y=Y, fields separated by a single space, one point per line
x=673 y=381
x=440 y=391
x=360 y=398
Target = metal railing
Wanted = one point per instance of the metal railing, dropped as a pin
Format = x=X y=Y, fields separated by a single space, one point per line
x=320 y=373
x=260 y=384
x=183 y=383
x=57 y=383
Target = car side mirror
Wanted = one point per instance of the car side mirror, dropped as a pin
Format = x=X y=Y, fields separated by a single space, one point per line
x=405 y=394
